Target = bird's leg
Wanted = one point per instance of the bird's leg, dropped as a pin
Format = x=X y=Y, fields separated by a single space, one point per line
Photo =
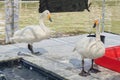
x=92 y=69
x=30 y=47
x=83 y=72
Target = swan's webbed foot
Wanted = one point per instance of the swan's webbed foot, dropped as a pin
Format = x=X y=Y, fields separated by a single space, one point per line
x=93 y=70
x=37 y=53
x=84 y=73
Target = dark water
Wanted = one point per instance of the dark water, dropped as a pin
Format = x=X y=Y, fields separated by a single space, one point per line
x=21 y=73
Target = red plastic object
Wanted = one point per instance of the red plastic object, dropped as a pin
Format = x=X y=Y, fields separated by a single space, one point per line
x=111 y=59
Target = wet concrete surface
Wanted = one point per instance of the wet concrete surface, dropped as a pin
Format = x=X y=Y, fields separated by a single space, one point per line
x=58 y=57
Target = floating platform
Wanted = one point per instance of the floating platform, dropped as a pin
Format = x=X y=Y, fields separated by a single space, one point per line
x=111 y=59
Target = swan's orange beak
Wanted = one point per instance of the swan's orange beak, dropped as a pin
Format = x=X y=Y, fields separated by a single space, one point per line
x=96 y=22
x=49 y=17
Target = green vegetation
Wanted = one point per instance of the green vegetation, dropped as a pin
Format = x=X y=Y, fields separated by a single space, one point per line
x=69 y=22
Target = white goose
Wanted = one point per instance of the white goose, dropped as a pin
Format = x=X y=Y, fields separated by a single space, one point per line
x=33 y=33
x=90 y=47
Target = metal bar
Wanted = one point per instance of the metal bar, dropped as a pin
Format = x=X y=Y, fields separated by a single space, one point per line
x=29 y=1
x=103 y=15
x=12 y=16
x=12 y=24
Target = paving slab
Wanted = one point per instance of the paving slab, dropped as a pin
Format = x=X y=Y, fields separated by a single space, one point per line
x=58 y=57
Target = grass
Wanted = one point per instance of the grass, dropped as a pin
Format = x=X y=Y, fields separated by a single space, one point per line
x=65 y=23
x=70 y=23
x=115 y=27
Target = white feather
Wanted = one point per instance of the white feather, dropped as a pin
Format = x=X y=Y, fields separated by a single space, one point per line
x=90 y=47
x=32 y=33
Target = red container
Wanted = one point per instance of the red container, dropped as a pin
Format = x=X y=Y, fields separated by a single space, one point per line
x=111 y=59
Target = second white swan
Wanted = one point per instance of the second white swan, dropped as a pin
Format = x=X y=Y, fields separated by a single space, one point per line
x=90 y=47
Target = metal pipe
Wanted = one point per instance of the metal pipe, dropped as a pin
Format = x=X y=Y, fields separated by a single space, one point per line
x=103 y=15
x=12 y=23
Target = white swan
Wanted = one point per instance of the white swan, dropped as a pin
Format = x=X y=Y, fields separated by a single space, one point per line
x=90 y=47
x=33 y=33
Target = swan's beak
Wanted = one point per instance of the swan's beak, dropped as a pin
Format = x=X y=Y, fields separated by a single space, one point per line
x=96 y=22
x=49 y=17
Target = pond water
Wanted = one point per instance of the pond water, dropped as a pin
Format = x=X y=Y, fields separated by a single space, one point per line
x=21 y=73
x=23 y=70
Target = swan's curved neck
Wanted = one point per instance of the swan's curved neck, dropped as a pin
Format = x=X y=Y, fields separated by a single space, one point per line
x=41 y=22
x=42 y=25
x=97 y=32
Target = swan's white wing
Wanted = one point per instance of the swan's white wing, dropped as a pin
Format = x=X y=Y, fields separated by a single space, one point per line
x=23 y=35
x=29 y=34
x=82 y=46
x=98 y=50
x=88 y=47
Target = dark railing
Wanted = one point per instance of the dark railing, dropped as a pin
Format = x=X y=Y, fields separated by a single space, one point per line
x=63 y=5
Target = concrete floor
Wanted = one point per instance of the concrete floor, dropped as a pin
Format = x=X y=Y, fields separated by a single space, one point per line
x=58 y=57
